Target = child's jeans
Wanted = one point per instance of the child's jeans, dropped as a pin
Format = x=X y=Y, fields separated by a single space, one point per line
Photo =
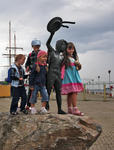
x=16 y=93
x=43 y=92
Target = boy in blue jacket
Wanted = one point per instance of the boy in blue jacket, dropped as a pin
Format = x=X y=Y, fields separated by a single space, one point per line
x=17 y=85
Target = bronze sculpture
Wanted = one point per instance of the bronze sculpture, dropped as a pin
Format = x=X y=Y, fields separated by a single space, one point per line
x=55 y=59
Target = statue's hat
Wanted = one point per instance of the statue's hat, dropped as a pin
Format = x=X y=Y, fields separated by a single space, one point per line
x=55 y=23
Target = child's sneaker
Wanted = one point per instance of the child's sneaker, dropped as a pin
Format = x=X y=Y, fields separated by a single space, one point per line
x=33 y=111
x=43 y=110
x=13 y=113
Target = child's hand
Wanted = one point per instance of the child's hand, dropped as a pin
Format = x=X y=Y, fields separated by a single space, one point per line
x=20 y=78
x=76 y=62
x=78 y=65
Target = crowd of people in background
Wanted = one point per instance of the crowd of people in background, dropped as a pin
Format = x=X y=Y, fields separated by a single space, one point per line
x=57 y=68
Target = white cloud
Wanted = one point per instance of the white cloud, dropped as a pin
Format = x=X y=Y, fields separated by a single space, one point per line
x=97 y=63
x=92 y=34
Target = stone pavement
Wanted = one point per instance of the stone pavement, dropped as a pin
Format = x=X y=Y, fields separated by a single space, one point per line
x=95 y=107
x=103 y=113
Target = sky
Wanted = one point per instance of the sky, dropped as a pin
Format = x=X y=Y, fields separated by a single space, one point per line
x=93 y=33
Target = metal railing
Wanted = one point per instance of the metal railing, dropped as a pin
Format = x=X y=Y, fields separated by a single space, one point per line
x=103 y=89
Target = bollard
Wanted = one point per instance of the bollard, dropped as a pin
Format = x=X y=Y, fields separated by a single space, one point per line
x=84 y=93
x=104 y=92
x=110 y=91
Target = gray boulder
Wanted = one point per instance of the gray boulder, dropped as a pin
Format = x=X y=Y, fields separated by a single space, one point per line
x=47 y=132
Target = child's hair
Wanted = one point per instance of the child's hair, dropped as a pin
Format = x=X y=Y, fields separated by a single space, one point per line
x=66 y=60
x=18 y=57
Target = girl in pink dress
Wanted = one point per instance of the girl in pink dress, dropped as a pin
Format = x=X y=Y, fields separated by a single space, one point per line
x=71 y=81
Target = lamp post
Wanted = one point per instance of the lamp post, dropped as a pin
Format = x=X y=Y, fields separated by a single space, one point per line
x=109 y=71
x=98 y=82
x=92 y=86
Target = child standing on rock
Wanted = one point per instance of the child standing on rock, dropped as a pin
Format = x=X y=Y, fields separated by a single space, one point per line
x=31 y=60
x=38 y=81
x=71 y=82
x=17 y=85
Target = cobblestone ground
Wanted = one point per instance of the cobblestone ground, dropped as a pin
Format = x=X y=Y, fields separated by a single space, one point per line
x=95 y=107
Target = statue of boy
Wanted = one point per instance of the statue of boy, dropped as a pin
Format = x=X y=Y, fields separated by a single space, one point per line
x=54 y=72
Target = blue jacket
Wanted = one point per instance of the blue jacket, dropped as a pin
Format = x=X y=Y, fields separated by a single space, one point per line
x=15 y=76
x=38 y=78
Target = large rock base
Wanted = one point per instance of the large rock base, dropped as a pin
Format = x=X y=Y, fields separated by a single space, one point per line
x=47 y=132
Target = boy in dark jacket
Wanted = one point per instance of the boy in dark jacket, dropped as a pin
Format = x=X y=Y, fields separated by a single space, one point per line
x=31 y=60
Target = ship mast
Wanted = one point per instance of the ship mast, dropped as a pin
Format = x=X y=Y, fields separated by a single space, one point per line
x=10 y=54
x=10 y=43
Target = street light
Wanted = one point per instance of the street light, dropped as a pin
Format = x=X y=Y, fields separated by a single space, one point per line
x=109 y=71
x=92 y=85
x=98 y=82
